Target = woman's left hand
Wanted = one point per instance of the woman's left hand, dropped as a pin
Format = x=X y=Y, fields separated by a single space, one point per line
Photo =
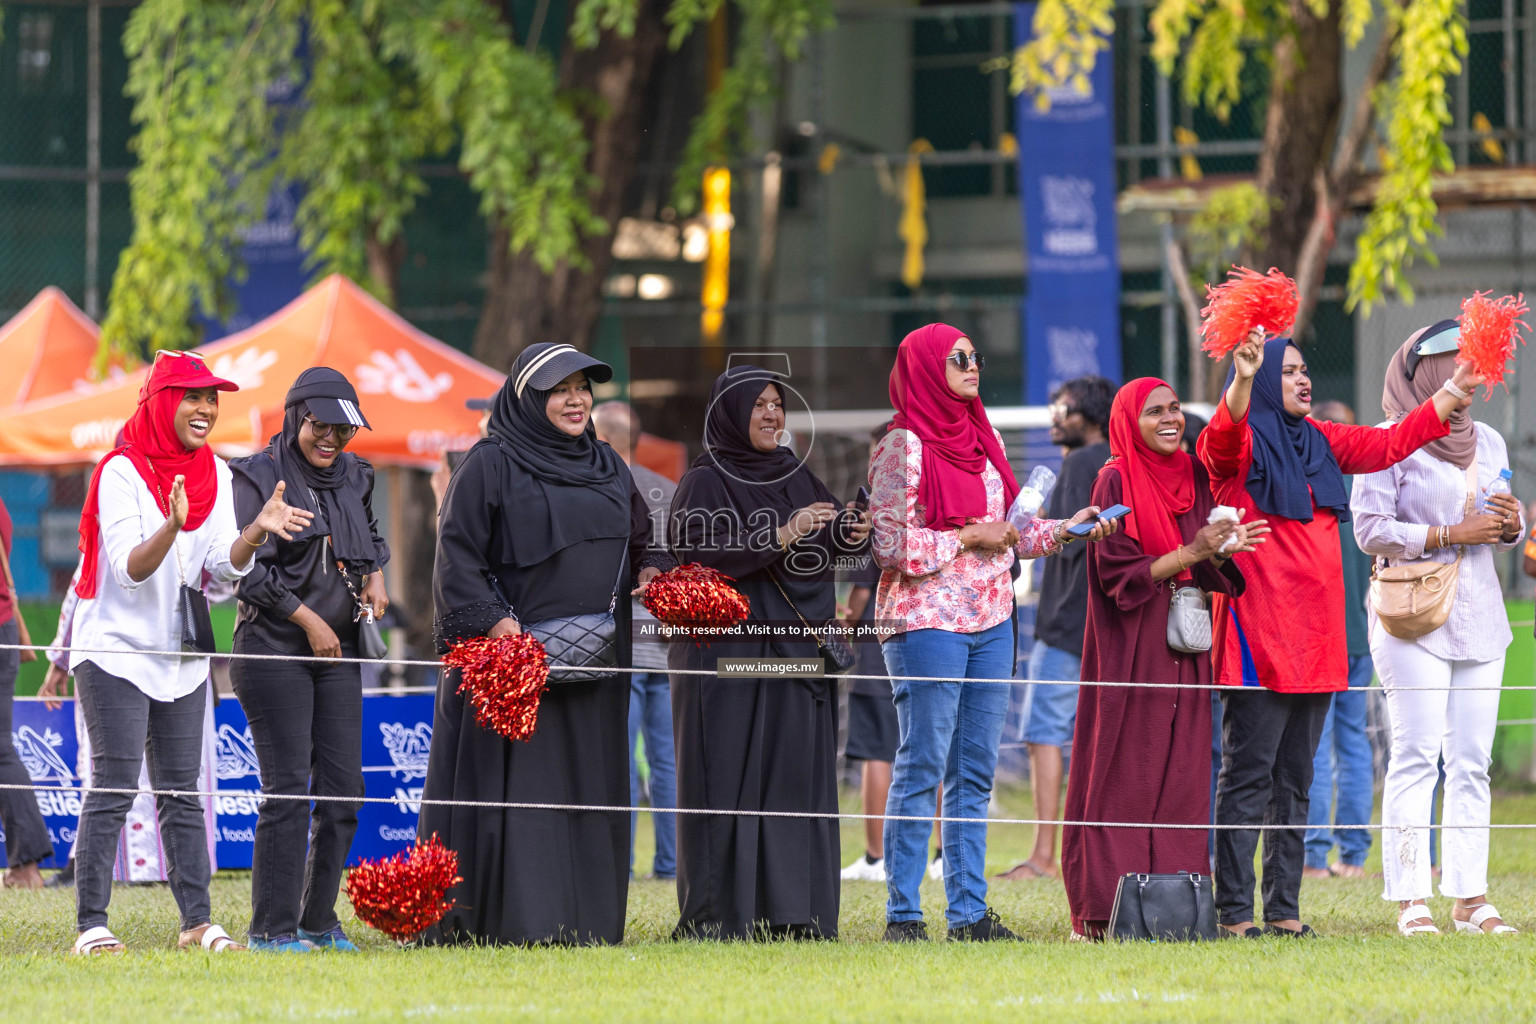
x=1102 y=527
x=647 y=574
x=1509 y=507
x=1249 y=536
x=278 y=517
x=858 y=524
x=374 y=595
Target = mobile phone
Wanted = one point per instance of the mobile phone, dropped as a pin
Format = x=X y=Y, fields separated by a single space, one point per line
x=861 y=499
x=1084 y=529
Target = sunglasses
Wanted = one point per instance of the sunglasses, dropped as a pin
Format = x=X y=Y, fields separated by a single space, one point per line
x=344 y=431
x=968 y=361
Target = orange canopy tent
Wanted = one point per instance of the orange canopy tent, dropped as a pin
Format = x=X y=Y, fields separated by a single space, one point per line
x=47 y=349
x=411 y=387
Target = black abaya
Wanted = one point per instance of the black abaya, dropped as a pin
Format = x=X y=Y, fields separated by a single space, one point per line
x=531 y=876
x=755 y=744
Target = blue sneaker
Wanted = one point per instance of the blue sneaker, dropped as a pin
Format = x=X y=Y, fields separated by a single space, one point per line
x=279 y=944
x=334 y=939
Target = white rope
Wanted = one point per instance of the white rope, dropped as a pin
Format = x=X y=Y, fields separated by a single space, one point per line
x=713 y=674
x=495 y=805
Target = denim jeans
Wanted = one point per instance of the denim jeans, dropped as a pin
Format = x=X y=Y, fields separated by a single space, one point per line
x=650 y=711
x=1343 y=761
x=124 y=724
x=949 y=736
x=1052 y=710
x=307 y=724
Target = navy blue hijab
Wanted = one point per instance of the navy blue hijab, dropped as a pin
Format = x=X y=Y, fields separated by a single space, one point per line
x=1290 y=455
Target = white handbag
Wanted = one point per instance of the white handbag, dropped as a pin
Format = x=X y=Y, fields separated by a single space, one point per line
x=1189 y=621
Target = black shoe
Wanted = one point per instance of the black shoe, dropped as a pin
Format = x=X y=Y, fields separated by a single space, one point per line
x=1247 y=933
x=906 y=931
x=64 y=879
x=989 y=928
x=1305 y=932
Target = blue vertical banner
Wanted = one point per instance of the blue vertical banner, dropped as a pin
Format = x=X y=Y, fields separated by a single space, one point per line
x=1072 y=249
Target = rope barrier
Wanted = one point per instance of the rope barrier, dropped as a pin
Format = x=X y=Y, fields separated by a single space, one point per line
x=558 y=669
x=495 y=805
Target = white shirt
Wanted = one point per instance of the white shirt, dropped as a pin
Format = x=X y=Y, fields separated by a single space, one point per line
x=1394 y=512
x=126 y=617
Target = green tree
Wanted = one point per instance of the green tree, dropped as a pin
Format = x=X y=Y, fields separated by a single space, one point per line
x=226 y=105
x=1313 y=140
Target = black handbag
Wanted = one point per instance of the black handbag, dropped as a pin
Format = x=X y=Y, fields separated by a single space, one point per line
x=587 y=643
x=837 y=655
x=1164 y=908
x=370 y=639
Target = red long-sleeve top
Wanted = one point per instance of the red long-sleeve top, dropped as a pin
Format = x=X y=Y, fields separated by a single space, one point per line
x=1287 y=630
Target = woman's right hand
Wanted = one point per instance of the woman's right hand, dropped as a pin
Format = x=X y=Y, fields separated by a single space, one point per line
x=506 y=627
x=1249 y=356
x=806 y=521
x=177 y=513
x=55 y=685
x=999 y=536
x=1209 y=539
x=322 y=639
x=1478 y=528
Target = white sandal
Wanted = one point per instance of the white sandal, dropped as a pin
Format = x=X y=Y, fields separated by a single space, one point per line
x=98 y=940
x=1481 y=914
x=1416 y=920
x=210 y=938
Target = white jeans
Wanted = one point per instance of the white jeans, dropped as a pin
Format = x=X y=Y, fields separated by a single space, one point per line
x=1427 y=724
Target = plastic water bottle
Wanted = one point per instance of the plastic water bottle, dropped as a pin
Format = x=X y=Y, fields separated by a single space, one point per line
x=1500 y=485
x=1032 y=498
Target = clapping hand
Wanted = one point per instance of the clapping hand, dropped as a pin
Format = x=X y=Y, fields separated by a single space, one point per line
x=277 y=516
x=177 y=512
x=1249 y=537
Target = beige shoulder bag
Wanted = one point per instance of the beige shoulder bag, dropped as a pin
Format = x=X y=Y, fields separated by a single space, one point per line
x=1415 y=599
x=22 y=636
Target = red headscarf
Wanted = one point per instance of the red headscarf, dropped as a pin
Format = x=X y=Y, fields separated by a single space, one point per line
x=149 y=441
x=957 y=437
x=1157 y=487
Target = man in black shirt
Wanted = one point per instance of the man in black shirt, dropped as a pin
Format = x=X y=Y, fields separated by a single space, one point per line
x=1079 y=421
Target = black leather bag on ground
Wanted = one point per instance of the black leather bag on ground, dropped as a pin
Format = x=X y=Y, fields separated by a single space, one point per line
x=196 y=622
x=1164 y=908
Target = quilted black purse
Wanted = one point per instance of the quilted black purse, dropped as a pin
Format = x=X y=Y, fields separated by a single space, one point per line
x=587 y=643
x=1164 y=908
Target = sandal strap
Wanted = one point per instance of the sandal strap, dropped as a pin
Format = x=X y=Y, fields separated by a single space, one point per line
x=213 y=935
x=95 y=938
x=1417 y=912
x=1482 y=913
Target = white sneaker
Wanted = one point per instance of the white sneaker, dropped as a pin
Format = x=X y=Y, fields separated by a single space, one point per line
x=936 y=869
x=862 y=870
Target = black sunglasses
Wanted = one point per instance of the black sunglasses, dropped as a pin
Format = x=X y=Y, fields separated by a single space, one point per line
x=968 y=361
x=344 y=431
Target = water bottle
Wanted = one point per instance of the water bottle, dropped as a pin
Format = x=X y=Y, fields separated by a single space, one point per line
x=1032 y=498
x=1500 y=485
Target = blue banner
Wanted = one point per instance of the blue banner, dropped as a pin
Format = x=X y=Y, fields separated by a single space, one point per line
x=1067 y=192
x=397 y=734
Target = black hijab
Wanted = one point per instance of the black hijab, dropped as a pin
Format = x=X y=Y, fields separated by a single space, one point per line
x=1293 y=464
x=336 y=493
x=754 y=479
x=565 y=489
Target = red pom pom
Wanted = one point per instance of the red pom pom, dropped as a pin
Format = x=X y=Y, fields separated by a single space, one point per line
x=1247 y=299
x=696 y=599
x=503 y=679
x=404 y=895
x=1490 y=329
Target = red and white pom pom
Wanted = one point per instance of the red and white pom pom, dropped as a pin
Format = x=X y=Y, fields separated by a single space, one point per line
x=1245 y=300
x=503 y=678
x=1490 y=330
x=696 y=599
x=404 y=895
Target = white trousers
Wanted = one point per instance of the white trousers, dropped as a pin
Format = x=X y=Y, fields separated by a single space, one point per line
x=1427 y=724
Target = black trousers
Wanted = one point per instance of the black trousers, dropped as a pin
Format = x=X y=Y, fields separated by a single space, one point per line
x=26 y=836
x=1268 y=741
x=306 y=720
x=125 y=725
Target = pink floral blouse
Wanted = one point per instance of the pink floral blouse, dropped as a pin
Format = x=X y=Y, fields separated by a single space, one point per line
x=928 y=582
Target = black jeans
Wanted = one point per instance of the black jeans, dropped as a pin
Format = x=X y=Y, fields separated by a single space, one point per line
x=1268 y=741
x=125 y=725
x=26 y=836
x=307 y=723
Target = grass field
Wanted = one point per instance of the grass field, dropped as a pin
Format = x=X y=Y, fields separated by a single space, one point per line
x=1359 y=971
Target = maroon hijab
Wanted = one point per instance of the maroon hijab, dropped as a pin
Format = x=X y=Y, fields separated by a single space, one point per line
x=957 y=437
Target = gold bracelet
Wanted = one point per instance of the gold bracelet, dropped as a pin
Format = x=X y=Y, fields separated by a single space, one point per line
x=1179 y=553
x=267 y=536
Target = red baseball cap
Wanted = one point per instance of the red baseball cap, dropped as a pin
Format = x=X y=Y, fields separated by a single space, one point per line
x=181 y=370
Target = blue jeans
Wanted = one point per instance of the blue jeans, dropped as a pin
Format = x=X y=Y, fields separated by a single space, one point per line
x=650 y=708
x=1053 y=707
x=949 y=736
x=1343 y=759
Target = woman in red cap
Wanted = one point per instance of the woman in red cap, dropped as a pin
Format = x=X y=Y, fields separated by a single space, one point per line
x=159 y=519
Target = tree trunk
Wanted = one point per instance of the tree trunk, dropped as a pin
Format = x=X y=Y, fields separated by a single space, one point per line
x=1305 y=95
x=523 y=304
x=384 y=259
